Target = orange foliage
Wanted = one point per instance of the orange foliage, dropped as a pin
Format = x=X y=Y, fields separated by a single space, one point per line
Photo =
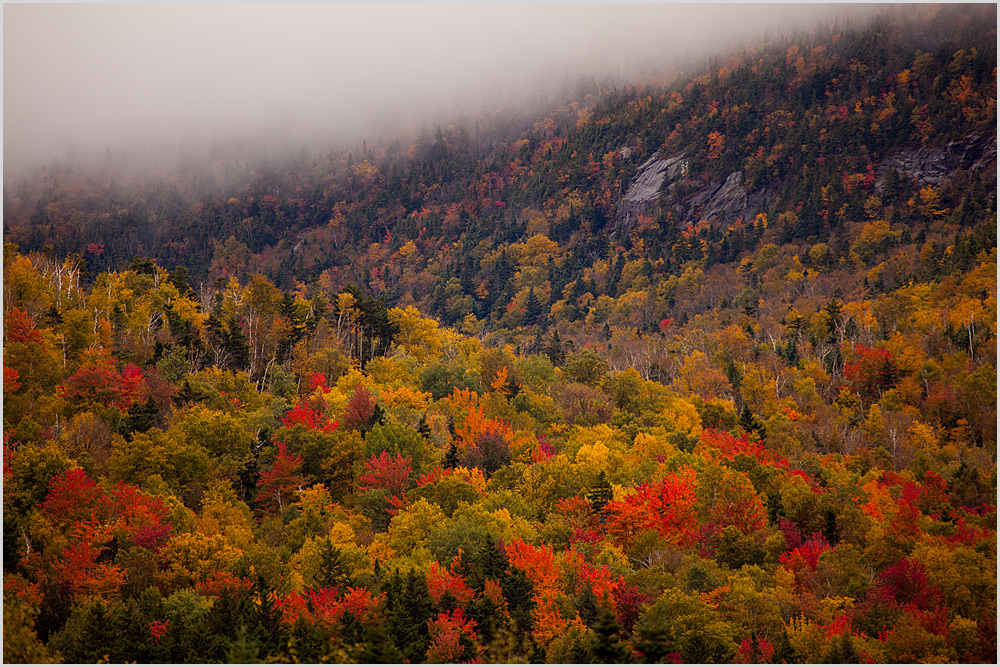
x=667 y=507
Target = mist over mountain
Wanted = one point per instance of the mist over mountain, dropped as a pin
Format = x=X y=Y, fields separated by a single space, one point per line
x=156 y=79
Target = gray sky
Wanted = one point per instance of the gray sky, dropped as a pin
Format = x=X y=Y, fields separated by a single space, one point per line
x=119 y=75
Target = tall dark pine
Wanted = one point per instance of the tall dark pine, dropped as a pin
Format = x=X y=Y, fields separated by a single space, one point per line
x=601 y=494
x=532 y=308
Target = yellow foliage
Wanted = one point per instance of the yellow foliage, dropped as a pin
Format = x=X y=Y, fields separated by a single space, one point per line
x=681 y=415
x=759 y=391
x=408 y=249
x=593 y=457
x=536 y=251
x=379 y=550
x=389 y=372
x=651 y=447
x=194 y=557
x=418 y=336
x=341 y=534
x=500 y=380
x=405 y=397
x=413 y=525
x=350 y=381
x=698 y=376
x=222 y=514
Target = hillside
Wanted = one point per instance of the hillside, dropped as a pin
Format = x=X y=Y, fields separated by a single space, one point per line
x=695 y=373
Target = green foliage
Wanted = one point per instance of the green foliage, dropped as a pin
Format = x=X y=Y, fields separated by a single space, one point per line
x=680 y=623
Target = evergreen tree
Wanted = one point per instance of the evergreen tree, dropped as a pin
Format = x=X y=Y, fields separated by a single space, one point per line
x=532 y=307
x=141 y=417
x=843 y=652
x=332 y=570
x=609 y=646
x=554 y=350
x=586 y=605
x=751 y=424
x=601 y=494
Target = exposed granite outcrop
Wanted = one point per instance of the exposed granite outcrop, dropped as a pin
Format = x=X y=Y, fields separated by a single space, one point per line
x=723 y=201
x=646 y=186
x=934 y=165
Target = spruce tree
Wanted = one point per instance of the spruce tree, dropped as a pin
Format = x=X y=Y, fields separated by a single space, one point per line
x=532 y=307
x=608 y=646
x=601 y=494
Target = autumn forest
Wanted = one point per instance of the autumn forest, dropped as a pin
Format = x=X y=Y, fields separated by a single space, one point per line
x=699 y=370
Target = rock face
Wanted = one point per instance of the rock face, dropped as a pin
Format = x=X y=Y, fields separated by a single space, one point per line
x=723 y=201
x=645 y=189
x=666 y=183
x=934 y=165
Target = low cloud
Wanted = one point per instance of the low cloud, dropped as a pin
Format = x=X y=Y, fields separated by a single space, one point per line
x=86 y=78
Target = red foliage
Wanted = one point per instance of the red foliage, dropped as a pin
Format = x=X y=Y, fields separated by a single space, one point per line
x=317 y=381
x=221 y=582
x=20 y=328
x=278 y=485
x=907 y=583
x=97 y=523
x=970 y=536
x=538 y=563
x=311 y=417
x=806 y=555
x=78 y=566
x=360 y=408
x=840 y=625
x=157 y=629
x=432 y=476
x=628 y=602
x=543 y=452
x=793 y=536
x=328 y=607
x=446 y=632
x=440 y=581
x=11 y=383
x=98 y=381
x=576 y=509
x=730 y=447
x=390 y=473
x=754 y=650
x=871 y=372
x=667 y=507
x=74 y=498
x=293 y=606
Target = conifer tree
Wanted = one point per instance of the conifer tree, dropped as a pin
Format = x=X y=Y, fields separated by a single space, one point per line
x=601 y=494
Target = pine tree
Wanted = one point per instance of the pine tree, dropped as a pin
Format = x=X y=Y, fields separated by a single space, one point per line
x=554 y=350
x=608 y=646
x=141 y=416
x=586 y=605
x=601 y=494
x=423 y=428
x=451 y=458
x=843 y=652
x=332 y=570
x=532 y=307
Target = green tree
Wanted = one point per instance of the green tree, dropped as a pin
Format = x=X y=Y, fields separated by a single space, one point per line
x=684 y=624
x=601 y=493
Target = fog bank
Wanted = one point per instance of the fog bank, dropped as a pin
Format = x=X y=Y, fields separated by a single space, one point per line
x=86 y=78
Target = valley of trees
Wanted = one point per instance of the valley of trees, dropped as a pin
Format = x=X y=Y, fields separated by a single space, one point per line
x=449 y=401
